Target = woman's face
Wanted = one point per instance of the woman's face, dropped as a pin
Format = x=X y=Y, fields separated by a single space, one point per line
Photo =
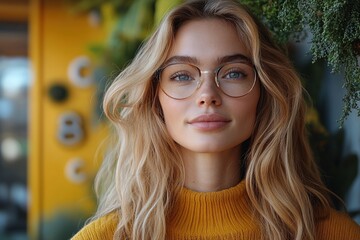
x=209 y=121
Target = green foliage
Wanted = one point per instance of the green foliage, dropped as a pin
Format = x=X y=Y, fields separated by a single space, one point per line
x=133 y=22
x=335 y=29
x=335 y=26
x=283 y=18
x=87 y=5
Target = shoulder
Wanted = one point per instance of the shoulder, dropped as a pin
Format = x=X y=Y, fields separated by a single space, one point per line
x=102 y=228
x=337 y=225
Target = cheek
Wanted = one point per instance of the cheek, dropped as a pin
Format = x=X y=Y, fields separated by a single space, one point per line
x=171 y=112
x=245 y=121
x=247 y=112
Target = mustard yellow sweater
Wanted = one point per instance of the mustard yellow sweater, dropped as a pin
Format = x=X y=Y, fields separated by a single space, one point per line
x=222 y=215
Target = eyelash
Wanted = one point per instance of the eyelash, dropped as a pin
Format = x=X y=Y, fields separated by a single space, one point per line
x=238 y=71
x=178 y=74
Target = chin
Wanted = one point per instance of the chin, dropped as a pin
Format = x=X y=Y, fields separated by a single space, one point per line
x=205 y=147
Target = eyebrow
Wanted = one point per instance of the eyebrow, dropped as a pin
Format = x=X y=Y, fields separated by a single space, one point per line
x=195 y=61
x=181 y=59
x=234 y=58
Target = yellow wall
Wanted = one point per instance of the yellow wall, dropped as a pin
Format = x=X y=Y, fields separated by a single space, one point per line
x=58 y=36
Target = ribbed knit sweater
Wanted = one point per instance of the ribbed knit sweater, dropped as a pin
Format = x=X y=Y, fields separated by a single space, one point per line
x=222 y=215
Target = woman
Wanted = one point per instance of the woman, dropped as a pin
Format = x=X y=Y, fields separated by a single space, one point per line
x=211 y=142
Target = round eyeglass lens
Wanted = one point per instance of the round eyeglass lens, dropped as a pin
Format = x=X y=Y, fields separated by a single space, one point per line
x=179 y=80
x=236 y=79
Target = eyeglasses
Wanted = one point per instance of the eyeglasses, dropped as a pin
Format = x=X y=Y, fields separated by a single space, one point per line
x=181 y=80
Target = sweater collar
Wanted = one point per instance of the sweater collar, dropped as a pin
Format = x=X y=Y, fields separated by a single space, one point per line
x=209 y=214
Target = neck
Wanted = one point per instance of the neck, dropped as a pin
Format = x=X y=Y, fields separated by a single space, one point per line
x=210 y=172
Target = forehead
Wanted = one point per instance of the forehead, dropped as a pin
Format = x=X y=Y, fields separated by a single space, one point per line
x=207 y=40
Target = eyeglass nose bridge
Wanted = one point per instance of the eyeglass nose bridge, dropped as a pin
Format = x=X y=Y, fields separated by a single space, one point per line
x=200 y=81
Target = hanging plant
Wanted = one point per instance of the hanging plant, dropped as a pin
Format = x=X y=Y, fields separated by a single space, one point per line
x=335 y=29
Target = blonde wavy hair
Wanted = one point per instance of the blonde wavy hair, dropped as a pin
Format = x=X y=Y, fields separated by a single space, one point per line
x=144 y=169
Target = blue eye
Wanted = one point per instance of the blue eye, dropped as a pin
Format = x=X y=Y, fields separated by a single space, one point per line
x=181 y=77
x=235 y=72
x=233 y=75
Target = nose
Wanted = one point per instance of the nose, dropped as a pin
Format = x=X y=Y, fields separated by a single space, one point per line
x=208 y=92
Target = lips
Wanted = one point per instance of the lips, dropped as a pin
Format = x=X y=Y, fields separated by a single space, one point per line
x=209 y=122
